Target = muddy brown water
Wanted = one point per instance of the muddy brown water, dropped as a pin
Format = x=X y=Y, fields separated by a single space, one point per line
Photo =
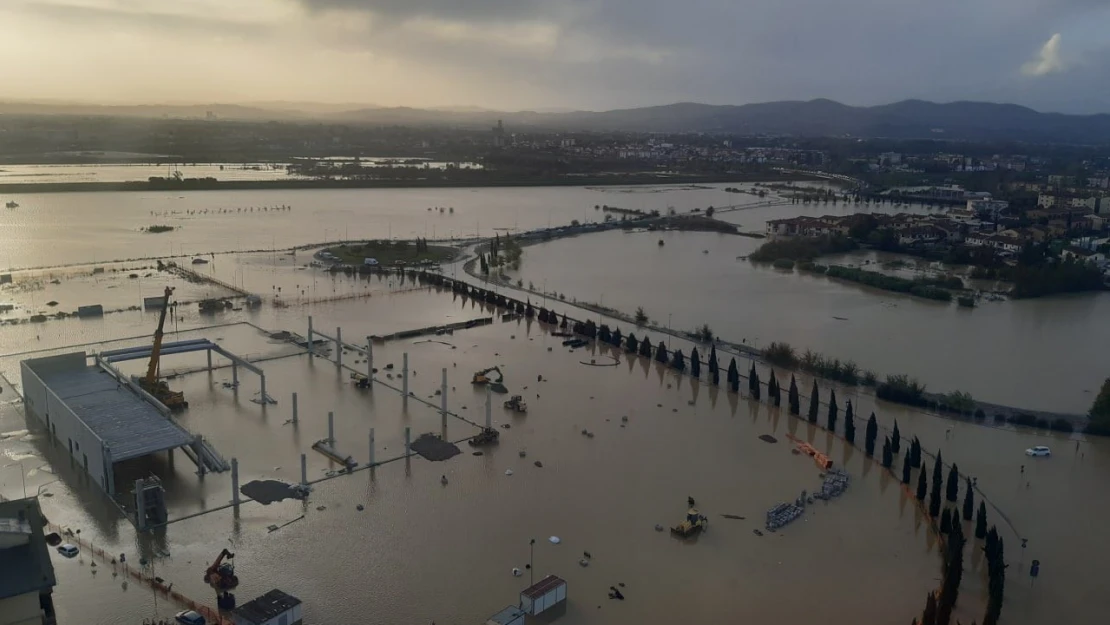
x=423 y=551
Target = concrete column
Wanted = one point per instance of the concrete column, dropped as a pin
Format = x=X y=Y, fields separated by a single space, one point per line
x=405 y=379
x=371 y=446
x=311 y=344
x=304 y=470
x=235 y=482
x=235 y=375
x=339 y=347
x=408 y=437
x=331 y=429
x=489 y=408
x=209 y=352
x=294 y=408
x=370 y=361
x=140 y=506
x=263 y=380
x=198 y=450
x=443 y=400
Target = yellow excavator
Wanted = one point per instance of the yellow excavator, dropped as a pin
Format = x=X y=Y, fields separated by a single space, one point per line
x=482 y=378
x=173 y=400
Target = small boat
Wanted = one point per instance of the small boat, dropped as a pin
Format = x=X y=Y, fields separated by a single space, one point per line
x=695 y=522
x=12 y=205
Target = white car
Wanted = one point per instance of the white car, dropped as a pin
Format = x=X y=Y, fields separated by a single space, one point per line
x=68 y=550
x=188 y=617
x=1039 y=450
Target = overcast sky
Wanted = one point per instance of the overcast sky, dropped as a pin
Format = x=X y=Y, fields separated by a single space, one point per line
x=593 y=54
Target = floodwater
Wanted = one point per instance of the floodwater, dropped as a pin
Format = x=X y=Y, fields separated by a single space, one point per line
x=423 y=551
x=63 y=228
x=140 y=172
x=1046 y=354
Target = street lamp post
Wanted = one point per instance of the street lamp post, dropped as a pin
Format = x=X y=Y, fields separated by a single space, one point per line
x=531 y=562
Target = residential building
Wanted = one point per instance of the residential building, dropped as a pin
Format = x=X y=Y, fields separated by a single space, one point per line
x=26 y=574
x=987 y=207
x=1101 y=182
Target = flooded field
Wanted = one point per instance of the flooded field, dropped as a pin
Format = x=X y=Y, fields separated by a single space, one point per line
x=422 y=550
x=1042 y=354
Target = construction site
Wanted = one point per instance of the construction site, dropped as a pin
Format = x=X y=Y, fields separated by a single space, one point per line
x=410 y=448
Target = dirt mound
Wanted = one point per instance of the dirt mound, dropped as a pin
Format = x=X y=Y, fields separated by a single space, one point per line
x=434 y=448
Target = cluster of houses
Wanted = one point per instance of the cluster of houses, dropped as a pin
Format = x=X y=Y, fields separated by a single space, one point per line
x=968 y=226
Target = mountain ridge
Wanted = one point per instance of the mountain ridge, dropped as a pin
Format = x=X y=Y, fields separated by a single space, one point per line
x=906 y=119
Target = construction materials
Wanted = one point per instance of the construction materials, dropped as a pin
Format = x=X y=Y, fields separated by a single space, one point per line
x=834 y=485
x=782 y=515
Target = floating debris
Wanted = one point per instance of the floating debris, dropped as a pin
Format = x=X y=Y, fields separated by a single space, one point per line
x=434 y=448
x=733 y=516
x=757 y=532
x=554 y=540
x=360 y=507
x=508 y=471
x=767 y=438
x=538 y=464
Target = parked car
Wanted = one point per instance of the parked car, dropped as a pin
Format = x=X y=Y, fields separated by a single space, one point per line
x=188 y=617
x=1039 y=450
x=68 y=550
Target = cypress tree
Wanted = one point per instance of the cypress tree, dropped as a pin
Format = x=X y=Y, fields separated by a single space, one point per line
x=631 y=344
x=814 y=402
x=981 y=521
x=849 y=413
x=645 y=347
x=922 y=485
x=953 y=571
x=795 y=403
x=564 y=324
x=938 y=472
x=679 y=361
x=615 y=338
x=753 y=383
x=895 y=439
x=733 y=376
x=888 y=456
x=969 y=500
x=952 y=491
x=833 y=410
x=915 y=453
x=906 y=469
x=934 y=500
x=713 y=366
x=930 y=615
x=872 y=434
x=946 y=521
x=716 y=377
x=661 y=352
x=774 y=393
x=695 y=364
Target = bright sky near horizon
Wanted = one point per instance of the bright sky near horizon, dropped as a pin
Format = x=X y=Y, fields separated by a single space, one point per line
x=594 y=54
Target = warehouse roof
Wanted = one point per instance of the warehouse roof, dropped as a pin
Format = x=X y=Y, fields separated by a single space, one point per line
x=129 y=425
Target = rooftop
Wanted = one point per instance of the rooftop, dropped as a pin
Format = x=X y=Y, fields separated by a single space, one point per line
x=267 y=606
x=543 y=587
x=27 y=566
x=129 y=425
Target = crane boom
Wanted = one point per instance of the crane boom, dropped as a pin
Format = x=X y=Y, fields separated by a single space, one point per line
x=156 y=349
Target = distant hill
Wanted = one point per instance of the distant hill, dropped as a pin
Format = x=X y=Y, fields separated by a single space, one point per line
x=903 y=120
x=908 y=119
